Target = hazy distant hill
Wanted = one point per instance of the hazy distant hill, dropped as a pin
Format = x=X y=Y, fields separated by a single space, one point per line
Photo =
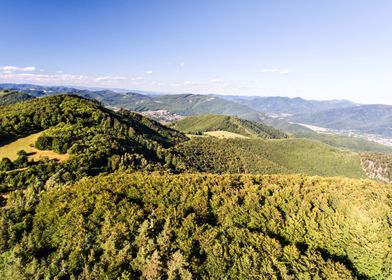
x=286 y=105
x=109 y=97
x=210 y=122
x=11 y=97
x=374 y=119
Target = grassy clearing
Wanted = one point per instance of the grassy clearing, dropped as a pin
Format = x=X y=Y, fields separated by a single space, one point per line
x=224 y=134
x=27 y=143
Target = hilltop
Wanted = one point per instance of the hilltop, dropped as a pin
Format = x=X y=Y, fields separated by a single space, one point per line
x=206 y=123
x=97 y=139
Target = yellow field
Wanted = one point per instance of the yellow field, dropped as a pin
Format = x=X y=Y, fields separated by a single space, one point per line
x=10 y=150
x=224 y=134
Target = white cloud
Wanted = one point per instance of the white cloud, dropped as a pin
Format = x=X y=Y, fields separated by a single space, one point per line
x=110 y=78
x=284 y=71
x=182 y=64
x=58 y=78
x=149 y=72
x=17 y=69
x=60 y=72
x=216 y=81
x=190 y=83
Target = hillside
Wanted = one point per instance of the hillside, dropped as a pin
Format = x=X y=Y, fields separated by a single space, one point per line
x=373 y=119
x=193 y=104
x=204 y=123
x=378 y=166
x=195 y=226
x=11 y=97
x=257 y=156
x=97 y=139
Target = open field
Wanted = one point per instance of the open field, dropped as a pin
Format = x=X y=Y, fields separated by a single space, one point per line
x=26 y=143
x=224 y=134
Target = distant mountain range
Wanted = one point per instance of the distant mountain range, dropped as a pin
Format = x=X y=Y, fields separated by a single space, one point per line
x=286 y=105
x=182 y=104
x=333 y=114
x=373 y=119
x=193 y=104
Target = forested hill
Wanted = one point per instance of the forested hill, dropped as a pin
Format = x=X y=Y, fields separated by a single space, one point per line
x=150 y=226
x=96 y=138
x=204 y=123
x=8 y=97
x=195 y=104
x=258 y=156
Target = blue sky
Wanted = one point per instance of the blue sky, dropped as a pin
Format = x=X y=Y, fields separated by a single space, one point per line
x=314 y=49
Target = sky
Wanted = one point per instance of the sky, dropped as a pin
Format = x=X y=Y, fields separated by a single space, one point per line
x=335 y=49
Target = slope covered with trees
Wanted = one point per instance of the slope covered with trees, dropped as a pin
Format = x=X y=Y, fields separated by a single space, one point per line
x=97 y=140
x=208 y=154
x=204 y=123
x=378 y=166
x=194 y=104
x=126 y=226
x=8 y=97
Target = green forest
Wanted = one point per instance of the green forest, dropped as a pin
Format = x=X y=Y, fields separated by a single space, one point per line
x=139 y=200
x=210 y=122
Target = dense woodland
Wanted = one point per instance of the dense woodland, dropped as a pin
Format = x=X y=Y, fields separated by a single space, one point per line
x=98 y=140
x=208 y=154
x=200 y=226
x=74 y=220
